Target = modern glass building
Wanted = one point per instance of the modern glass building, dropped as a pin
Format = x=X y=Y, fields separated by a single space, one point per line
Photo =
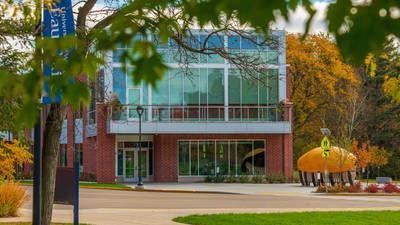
x=204 y=118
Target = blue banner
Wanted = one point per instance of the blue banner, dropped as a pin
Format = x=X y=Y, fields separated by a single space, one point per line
x=57 y=22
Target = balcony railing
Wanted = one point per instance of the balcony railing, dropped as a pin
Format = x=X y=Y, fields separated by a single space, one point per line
x=200 y=113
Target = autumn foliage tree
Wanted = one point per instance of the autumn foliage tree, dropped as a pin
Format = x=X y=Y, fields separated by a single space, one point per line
x=378 y=157
x=12 y=154
x=322 y=86
x=361 y=153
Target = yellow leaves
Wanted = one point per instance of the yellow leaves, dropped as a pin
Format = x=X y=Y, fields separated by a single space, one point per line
x=12 y=154
x=321 y=82
x=378 y=156
x=391 y=88
x=370 y=64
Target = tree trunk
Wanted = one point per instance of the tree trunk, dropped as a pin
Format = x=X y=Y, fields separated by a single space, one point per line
x=51 y=143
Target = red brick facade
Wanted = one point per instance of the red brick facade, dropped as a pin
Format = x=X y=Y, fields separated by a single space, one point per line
x=105 y=156
x=99 y=152
x=278 y=152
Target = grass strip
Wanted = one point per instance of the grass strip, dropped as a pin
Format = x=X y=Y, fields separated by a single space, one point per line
x=300 y=218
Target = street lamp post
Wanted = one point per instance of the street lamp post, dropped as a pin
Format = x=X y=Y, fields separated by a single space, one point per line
x=139 y=184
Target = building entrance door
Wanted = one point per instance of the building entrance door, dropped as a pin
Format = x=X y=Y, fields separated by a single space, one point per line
x=131 y=164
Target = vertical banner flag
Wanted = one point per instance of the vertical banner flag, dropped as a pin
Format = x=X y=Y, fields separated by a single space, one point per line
x=58 y=21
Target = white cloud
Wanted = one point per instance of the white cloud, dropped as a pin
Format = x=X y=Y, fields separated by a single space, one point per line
x=298 y=19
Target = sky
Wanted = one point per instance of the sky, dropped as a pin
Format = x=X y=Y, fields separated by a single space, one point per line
x=297 y=19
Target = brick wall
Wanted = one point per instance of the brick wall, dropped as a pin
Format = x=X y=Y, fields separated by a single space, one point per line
x=278 y=152
x=105 y=157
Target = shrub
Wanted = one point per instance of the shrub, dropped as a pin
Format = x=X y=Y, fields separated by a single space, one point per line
x=275 y=178
x=231 y=179
x=208 y=179
x=221 y=179
x=355 y=188
x=12 y=196
x=372 y=188
x=258 y=179
x=296 y=178
x=332 y=189
x=390 y=188
x=243 y=179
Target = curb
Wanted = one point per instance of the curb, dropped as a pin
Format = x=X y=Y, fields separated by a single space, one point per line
x=152 y=190
x=364 y=194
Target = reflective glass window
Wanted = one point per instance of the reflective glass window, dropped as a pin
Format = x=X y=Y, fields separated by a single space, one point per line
x=119 y=84
x=207 y=158
x=245 y=157
x=233 y=42
x=184 y=158
x=176 y=85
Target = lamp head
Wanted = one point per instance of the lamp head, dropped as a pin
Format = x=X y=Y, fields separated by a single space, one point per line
x=139 y=110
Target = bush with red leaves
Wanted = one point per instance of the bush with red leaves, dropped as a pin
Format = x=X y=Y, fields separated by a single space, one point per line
x=356 y=187
x=390 y=188
x=372 y=188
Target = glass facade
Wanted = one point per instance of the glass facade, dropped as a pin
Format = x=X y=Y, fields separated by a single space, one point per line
x=228 y=157
x=199 y=92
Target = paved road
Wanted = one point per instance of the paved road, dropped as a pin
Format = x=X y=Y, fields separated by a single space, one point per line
x=128 y=207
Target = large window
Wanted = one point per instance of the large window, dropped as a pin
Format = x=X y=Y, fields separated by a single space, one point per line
x=228 y=157
x=196 y=92
x=251 y=99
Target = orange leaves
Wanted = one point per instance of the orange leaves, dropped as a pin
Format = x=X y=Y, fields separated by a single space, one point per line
x=369 y=154
x=361 y=154
x=12 y=154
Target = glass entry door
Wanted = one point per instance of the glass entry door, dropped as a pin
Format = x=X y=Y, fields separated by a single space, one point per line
x=131 y=165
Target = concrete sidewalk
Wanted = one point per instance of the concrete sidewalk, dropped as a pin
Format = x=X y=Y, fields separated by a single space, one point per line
x=231 y=188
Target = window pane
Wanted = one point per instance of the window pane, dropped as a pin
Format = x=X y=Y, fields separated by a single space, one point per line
x=249 y=92
x=176 y=87
x=263 y=87
x=160 y=95
x=183 y=158
x=245 y=157
x=215 y=42
x=119 y=84
x=194 y=157
x=223 y=157
x=234 y=87
x=207 y=158
x=232 y=153
x=117 y=54
x=120 y=162
x=134 y=96
x=259 y=157
x=273 y=86
x=273 y=57
x=145 y=94
x=234 y=42
x=203 y=86
x=247 y=43
x=133 y=99
x=191 y=84
x=129 y=78
x=215 y=86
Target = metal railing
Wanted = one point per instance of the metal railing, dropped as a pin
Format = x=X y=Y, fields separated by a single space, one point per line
x=193 y=113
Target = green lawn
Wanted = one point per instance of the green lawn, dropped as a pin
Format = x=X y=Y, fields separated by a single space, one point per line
x=86 y=184
x=302 y=218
